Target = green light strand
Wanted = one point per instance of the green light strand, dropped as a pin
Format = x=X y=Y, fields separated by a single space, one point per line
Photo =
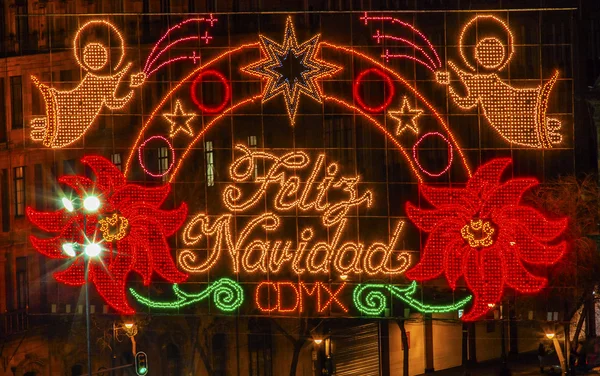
x=227 y=294
x=375 y=301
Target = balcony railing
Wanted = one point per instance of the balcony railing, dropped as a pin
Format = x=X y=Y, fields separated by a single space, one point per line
x=14 y=322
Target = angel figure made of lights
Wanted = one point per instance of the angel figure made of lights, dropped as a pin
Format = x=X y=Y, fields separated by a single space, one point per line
x=70 y=113
x=518 y=114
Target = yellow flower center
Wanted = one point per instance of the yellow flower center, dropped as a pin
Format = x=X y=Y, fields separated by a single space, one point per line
x=114 y=227
x=478 y=233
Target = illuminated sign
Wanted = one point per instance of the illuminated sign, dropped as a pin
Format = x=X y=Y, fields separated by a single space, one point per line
x=284 y=239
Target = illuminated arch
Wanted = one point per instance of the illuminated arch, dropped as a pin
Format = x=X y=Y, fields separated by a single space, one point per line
x=331 y=98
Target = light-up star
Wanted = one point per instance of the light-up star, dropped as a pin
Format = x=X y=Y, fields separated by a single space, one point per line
x=406 y=117
x=176 y=120
x=291 y=69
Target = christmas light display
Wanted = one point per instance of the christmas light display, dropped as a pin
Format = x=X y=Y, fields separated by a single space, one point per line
x=133 y=227
x=388 y=92
x=416 y=156
x=150 y=66
x=374 y=302
x=141 y=156
x=258 y=255
x=480 y=232
x=291 y=87
x=265 y=290
x=518 y=114
x=175 y=118
x=194 y=88
x=406 y=117
x=70 y=113
x=415 y=31
x=227 y=294
x=406 y=85
x=483 y=233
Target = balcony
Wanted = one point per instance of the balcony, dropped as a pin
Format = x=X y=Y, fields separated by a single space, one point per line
x=14 y=322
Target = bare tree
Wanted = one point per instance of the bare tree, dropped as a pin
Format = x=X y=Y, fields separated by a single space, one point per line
x=301 y=339
x=576 y=275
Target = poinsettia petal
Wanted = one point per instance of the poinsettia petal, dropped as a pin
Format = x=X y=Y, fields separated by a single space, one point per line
x=107 y=174
x=453 y=257
x=509 y=193
x=74 y=275
x=517 y=277
x=110 y=284
x=539 y=227
x=487 y=177
x=48 y=221
x=439 y=197
x=432 y=259
x=132 y=245
x=156 y=246
x=169 y=220
x=80 y=184
x=483 y=273
x=534 y=252
x=136 y=194
x=426 y=220
x=52 y=247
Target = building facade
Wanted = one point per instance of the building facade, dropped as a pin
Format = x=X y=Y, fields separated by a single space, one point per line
x=391 y=96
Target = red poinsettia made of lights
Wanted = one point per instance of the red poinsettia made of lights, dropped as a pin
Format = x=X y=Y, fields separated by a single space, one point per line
x=483 y=233
x=114 y=226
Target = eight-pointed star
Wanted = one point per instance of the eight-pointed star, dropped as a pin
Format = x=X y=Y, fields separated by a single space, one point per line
x=406 y=117
x=291 y=84
x=176 y=120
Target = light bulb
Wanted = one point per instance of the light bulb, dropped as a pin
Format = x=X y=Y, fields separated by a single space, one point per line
x=91 y=203
x=92 y=250
x=68 y=204
x=69 y=249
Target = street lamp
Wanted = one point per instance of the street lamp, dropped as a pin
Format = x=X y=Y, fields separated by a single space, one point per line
x=550 y=335
x=318 y=341
x=91 y=203
x=69 y=249
x=130 y=330
x=68 y=204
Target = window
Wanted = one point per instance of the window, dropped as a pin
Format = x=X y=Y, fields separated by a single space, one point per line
x=252 y=145
x=116 y=160
x=163 y=161
x=19 y=179
x=38 y=177
x=260 y=348
x=2 y=112
x=219 y=354
x=210 y=163
x=22 y=283
x=16 y=102
x=5 y=201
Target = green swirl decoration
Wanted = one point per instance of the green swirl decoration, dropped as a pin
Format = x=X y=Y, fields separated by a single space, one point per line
x=227 y=294
x=374 y=302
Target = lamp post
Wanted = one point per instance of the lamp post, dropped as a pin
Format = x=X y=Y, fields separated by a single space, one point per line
x=552 y=336
x=130 y=330
x=90 y=204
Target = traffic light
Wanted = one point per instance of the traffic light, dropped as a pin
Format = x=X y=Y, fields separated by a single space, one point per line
x=141 y=363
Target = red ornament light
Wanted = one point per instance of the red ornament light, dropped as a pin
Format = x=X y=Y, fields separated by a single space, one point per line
x=416 y=154
x=483 y=233
x=198 y=80
x=138 y=242
x=388 y=83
